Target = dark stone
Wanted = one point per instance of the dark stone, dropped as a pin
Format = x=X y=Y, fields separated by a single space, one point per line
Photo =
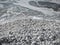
x=42 y=39
x=54 y=6
x=49 y=29
x=30 y=19
x=36 y=43
x=48 y=39
x=29 y=37
x=54 y=38
x=10 y=32
x=24 y=40
x=0 y=43
x=4 y=40
x=57 y=43
x=44 y=29
x=33 y=3
x=7 y=40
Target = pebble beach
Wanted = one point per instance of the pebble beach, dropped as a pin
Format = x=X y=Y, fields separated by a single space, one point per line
x=22 y=25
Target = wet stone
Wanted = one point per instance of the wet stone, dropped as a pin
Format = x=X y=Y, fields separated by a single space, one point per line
x=54 y=6
x=33 y=3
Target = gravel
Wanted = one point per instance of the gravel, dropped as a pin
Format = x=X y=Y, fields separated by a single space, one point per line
x=30 y=32
x=25 y=26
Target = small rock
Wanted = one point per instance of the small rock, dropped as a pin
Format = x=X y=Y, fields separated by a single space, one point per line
x=57 y=43
x=54 y=38
x=10 y=32
x=44 y=29
x=4 y=40
x=42 y=39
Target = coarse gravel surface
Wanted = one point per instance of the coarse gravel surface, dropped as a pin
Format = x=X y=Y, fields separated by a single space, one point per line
x=30 y=32
x=34 y=23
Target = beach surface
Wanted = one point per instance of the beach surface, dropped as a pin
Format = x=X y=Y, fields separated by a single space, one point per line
x=25 y=24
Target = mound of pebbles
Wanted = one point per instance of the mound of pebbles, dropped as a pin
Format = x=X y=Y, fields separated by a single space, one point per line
x=30 y=32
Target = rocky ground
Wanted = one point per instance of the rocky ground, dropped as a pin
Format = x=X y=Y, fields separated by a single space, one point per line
x=24 y=24
x=30 y=32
